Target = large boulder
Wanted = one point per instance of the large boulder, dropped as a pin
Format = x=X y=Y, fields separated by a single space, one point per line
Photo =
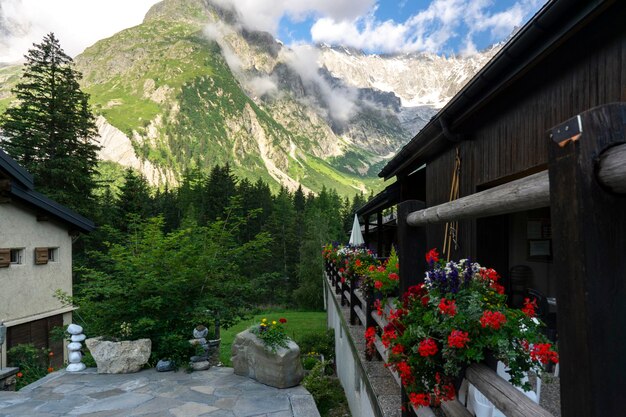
x=280 y=369
x=119 y=357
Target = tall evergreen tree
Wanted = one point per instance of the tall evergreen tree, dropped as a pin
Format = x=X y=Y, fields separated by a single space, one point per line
x=49 y=129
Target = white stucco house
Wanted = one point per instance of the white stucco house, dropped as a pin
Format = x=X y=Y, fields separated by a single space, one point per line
x=36 y=235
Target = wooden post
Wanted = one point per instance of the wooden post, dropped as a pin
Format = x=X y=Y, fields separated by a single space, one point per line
x=367 y=237
x=589 y=241
x=411 y=246
x=379 y=234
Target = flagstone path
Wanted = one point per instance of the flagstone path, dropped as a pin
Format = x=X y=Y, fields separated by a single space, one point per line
x=217 y=392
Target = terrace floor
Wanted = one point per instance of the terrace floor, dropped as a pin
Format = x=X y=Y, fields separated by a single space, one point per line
x=217 y=392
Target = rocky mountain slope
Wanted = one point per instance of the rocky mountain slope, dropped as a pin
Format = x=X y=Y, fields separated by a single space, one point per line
x=189 y=88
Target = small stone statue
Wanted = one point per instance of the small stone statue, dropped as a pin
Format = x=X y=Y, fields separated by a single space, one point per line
x=74 y=356
x=210 y=349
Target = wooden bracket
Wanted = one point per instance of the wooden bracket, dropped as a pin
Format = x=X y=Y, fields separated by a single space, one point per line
x=568 y=131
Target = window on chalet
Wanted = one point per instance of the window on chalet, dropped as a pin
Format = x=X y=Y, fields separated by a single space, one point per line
x=45 y=255
x=17 y=256
x=53 y=254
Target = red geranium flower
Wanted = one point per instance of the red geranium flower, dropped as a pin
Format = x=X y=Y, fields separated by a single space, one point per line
x=19 y=375
x=398 y=349
x=447 y=307
x=493 y=319
x=529 y=307
x=458 y=339
x=378 y=285
x=427 y=347
x=543 y=353
x=419 y=400
x=371 y=268
x=394 y=277
x=404 y=370
x=282 y=320
x=51 y=369
x=432 y=256
x=357 y=262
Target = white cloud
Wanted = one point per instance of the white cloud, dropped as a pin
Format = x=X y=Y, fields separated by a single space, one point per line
x=265 y=15
x=341 y=101
x=428 y=30
x=76 y=23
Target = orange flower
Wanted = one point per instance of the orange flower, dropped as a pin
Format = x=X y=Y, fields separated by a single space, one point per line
x=19 y=375
x=50 y=369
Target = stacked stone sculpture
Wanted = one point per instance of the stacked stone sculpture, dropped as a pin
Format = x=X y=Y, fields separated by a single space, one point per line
x=210 y=348
x=74 y=356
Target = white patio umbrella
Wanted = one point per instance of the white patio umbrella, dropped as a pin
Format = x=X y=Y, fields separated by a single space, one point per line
x=356 y=237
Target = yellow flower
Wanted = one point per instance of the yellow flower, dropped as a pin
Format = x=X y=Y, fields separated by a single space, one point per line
x=263 y=325
x=264 y=320
x=274 y=322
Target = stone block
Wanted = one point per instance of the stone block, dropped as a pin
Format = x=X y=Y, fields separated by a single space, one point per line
x=119 y=357
x=280 y=369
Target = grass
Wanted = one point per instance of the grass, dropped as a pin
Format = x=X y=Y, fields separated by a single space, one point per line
x=299 y=324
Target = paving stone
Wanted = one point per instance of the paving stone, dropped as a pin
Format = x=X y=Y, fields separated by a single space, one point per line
x=226 y=403
x=252 y=405
x=303 y=406
x=192 y=409
x=213 y=393
x=105 y=394
x=204 y=389
x=119 y=402
x=157 y=405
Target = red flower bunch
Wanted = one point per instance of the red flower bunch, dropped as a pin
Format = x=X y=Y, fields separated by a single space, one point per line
x=543 y=353
x=437 y=333
x=419 y=400
x=282 y=320
x=398 y=349
x=427 y=347
x=432 y=256
x=447 y=307
x=389 y=334
x=493 y=319
x=378 y=285
x=404 y=370
x=458 y=339
x=370 y=338
x=394 y=277
x=529 y=307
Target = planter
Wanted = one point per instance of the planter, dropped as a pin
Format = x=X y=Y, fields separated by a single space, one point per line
x=123 y=357
x=280 y=369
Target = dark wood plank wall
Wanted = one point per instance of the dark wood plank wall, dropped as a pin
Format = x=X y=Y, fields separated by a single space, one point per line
x=508 y=135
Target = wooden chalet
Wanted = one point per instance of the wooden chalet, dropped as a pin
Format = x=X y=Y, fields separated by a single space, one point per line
x=523 y=171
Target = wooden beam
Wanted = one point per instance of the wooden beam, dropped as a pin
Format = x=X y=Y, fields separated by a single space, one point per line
x=507 y=398
x=524 y=194
x=519 y=195
x=612 y=166
x=455 y=409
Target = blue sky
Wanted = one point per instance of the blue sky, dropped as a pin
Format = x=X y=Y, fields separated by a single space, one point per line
x=443 y=26
x=383 y=26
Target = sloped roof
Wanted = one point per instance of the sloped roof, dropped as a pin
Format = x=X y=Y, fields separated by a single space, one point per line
x=22 y=188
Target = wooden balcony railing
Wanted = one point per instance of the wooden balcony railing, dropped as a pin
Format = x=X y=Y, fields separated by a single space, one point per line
x=508 y=399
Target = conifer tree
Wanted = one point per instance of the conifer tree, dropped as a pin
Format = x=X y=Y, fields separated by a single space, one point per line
x=49 y=128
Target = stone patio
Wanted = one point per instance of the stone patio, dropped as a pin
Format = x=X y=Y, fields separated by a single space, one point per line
x=217 y=392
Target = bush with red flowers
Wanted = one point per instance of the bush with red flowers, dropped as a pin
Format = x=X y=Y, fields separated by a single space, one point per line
x=452 y=320
x=384 y=278
x=351 y=261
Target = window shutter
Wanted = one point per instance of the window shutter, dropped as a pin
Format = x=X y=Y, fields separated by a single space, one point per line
x=5 y=258
x=41 y=256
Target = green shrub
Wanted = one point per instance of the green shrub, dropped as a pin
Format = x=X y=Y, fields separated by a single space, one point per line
x=175 y=348
x=326 y=390
x=34 y=363
x=319 y=342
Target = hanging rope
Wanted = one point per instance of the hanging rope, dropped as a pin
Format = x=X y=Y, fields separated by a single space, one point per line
x=451 y=233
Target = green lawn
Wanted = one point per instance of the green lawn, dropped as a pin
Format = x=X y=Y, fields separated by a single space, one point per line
x=299 y=323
